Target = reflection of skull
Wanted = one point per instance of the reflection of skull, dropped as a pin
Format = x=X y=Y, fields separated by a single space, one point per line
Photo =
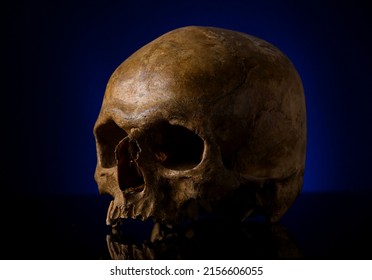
x=202 y=120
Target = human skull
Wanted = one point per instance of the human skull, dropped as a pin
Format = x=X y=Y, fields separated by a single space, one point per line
x=202 y=120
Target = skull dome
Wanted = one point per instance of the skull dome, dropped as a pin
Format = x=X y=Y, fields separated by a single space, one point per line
x=202 y=120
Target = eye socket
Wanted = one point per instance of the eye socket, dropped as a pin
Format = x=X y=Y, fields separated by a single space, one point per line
x=177 y=147
x=108 y=136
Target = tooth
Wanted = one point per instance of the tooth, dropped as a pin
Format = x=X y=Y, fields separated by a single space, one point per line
x=110 y=210
x=156 y=233
x=115 y=210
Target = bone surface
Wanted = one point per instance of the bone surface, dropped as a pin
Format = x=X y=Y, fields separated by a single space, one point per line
x=202 y=120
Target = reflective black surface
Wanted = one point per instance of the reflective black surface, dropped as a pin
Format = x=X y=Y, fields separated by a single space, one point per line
x=211 y=239
x=317 y=226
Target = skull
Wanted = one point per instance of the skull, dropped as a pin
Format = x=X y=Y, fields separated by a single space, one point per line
x=202 y=120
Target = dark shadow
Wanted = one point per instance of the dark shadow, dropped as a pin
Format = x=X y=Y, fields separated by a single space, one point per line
x=212 y=239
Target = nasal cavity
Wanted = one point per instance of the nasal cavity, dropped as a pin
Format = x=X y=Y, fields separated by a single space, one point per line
x=129 y=173
x=177 y=147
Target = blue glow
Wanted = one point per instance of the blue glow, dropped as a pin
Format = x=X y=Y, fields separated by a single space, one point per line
x=76 y=47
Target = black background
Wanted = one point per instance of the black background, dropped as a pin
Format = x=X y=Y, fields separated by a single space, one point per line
x=59 y=55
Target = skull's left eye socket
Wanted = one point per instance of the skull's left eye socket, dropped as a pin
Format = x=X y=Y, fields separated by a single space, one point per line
x=108 y=136
x=177 y=147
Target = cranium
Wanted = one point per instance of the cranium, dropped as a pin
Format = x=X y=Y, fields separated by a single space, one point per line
x=202 y=120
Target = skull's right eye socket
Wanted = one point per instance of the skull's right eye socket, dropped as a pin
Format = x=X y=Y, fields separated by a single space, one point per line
x=108 y=136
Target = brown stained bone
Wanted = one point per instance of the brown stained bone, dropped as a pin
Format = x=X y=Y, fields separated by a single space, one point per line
x=202 y=120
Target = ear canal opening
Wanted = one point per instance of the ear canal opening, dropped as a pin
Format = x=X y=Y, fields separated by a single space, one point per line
x=177 y=147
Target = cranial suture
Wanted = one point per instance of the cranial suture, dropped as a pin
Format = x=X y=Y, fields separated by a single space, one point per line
x=202 y=120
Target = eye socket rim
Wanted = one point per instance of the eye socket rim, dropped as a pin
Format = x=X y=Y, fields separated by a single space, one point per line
x=171 y=155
